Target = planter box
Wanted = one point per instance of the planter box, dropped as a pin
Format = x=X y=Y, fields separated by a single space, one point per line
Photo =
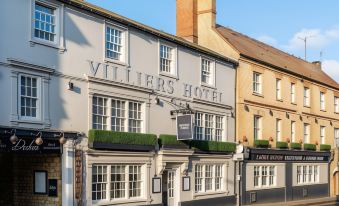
x=213 y=146
x=171 y=142
x=295 y=145
x=122 y=147
x=311 y=147
x=325 y=147
x=260 y=143
x=282 y=145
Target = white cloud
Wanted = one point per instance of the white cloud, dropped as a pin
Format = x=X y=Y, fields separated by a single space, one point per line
x=331 y=67
x=268 y=40
x=317 y=38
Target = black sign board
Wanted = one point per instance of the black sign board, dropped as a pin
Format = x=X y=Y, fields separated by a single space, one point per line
x=53 y=187
x=28 y=145
x=184 y=127
x=288 y=156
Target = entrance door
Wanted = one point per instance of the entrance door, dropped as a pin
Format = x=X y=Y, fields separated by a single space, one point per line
x=168 y=188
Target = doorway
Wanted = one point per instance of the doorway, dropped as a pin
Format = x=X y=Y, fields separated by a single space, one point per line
x=168 y=182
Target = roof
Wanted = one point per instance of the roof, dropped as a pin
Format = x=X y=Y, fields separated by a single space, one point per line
x=266 y=54
x=83 y=5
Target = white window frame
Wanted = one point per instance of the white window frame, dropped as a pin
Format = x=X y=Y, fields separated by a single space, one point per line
x=278 y=129
x=293 y=131
x=58 y=42
x=200 y=186
x=336 y=137
x=211 y=83
x=336 y=104
x=174 y=60
x=127 y=181
x=257 y=127
x=306 y=133
x=257 y=82
x=307 y=174
x=126 y=117
x=278 y=89
x=200 y=124
x=322 y=134
x=293 y=93
x=306 y=97
x=263 y=177
x=322 y=101
x=39 y=94
x=123 y=60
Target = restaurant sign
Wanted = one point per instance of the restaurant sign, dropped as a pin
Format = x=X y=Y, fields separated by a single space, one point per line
x=28 y=145
x=289 y=157
x=184 y=127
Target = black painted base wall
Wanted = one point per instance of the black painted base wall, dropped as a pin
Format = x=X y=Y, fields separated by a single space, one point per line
x=312 y=191
x=265 y=196
x=220 y=201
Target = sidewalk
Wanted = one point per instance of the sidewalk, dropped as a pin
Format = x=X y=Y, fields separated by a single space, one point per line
x=328 y=201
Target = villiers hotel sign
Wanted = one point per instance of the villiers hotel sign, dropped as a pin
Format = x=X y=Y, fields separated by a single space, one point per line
x=136 y=78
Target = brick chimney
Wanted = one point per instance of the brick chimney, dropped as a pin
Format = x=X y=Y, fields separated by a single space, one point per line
x=192 y=12
x=317 y=64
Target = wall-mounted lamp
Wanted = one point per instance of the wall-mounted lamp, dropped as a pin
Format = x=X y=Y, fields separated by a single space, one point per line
x=39 y=140
x=70 y=85
x=157 y=100
x=13 y=137
x=62 y=139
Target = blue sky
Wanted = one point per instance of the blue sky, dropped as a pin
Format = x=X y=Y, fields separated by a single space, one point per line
x=278 y=23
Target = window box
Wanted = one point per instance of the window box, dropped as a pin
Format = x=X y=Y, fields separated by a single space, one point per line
x=261 y=143
x=282 y=145
x=171 y=142
x=213 y=146
x=295 y=145
x=100 y=139
x=312 y=147
x=325 y=147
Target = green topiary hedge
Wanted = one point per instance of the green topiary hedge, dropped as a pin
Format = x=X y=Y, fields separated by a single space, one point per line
x=213 y=146
x=261 y=143
x=165 y=139
x=325 y=147
x=282 y=145
x=295 y=145
x=312 y=147
x=121 y=137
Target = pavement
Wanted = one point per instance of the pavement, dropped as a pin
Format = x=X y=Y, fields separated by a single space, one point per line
x=328 y=201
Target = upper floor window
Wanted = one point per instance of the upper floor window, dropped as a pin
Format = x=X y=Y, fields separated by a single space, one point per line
x=114 y=43
x=257 y=127
x=336 y=104
x=336 y=137
x=292 y=92
x=306 y=133
x=322 y=101
x=44 y=22
x=121 y=115
x=29 y=97
x=167 y=59
x=306 y=97
x=208 y=127
x=293 y=131
x=278 y=129
x=322 y=134
x=257 y=82
x=207 y=72
x=278 y=89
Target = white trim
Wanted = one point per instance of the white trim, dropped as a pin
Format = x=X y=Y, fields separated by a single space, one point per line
x=174 y=66
x=213 y=72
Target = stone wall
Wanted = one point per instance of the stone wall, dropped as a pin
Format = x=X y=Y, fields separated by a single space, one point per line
x=6 y=186
x=22 y=173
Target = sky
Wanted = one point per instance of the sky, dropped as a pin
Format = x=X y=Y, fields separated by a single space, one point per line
x=280 y=23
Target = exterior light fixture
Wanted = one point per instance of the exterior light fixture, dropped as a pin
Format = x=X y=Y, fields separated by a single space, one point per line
x=157 y=101
x=39 y=140
x=13 y=138
x=62 y=139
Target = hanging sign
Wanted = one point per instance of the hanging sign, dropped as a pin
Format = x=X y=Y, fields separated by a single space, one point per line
x=185 y=127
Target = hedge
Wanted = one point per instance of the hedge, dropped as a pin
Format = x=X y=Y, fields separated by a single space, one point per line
x=295 y=145
x=213 y=146
x=121 y=137
x=261 y=143
x=282 y=145
x=165 y=139
x=325 y=147
x=312 y=147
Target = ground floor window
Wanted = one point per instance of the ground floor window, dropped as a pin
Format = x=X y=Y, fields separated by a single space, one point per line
x=264 y=175
x=110 y=182
x=307 y=174
x=208 y=177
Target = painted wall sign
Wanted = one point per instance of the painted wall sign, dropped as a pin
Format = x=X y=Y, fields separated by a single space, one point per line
x=159 y=84
x=53 y=187
x=288 y=158
x=27 y=145
x=185 y=127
